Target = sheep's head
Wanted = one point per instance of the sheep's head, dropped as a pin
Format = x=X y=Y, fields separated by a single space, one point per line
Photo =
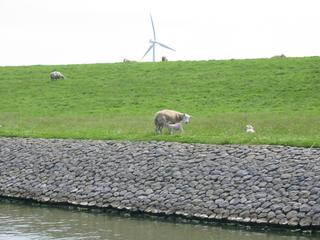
x=186 y=118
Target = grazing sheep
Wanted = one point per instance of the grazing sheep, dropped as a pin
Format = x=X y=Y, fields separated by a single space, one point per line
x=279 y=56
x=250 y=129
x=174 y=127
x=166 y=116
x=164 y=59
x=56 y=75
x=125 y=60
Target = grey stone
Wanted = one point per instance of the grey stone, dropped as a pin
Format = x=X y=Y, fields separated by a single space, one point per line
x=286 y=175
x=221 y=203
x=304 y=222
x=149 y=191
x=316 y=220
x=263 y=184
x=274 y=221
x=283 y=221
x=305 y=208
x=293 y=222
x=266 y=204
x=262 y=221
x=234 y=201
x=304 y=194
x=292 y=214
x=271 y=215
x=244 y=214
x=286 y=209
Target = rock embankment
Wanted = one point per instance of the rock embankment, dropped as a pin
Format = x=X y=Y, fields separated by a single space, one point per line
x=259 y=184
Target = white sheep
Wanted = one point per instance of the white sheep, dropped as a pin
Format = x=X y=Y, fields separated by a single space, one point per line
x=172 y=127
x=250 y=129
x=166 y=116
x=56 y=75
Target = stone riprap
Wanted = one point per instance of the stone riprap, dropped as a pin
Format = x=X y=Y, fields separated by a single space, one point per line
x=258 y=184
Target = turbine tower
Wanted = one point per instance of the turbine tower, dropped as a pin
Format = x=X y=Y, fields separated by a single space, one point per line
x=153 y=42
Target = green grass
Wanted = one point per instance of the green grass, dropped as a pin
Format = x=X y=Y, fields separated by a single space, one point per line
x=280 y=97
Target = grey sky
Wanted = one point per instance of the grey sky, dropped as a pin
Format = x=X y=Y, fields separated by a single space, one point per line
x=90 y=31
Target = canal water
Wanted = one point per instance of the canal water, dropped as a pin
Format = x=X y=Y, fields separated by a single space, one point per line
x=21 y=220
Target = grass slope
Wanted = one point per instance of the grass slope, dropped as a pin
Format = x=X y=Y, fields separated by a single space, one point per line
x=280 y=97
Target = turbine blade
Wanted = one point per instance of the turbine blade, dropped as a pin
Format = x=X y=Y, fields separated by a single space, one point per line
x=162 y=45
x=154 y=32
x=147 y=51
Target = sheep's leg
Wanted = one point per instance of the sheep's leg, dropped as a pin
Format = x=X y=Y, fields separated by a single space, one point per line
x=159 y=129
x=169 y=129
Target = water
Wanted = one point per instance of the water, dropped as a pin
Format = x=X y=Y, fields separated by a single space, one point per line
x=30 y=221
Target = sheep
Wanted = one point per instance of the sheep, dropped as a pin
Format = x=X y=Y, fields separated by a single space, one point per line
x=56 y=75
x=166 y=116
x=174 y=127
x=125 y=60
x=164 y=59
x=279 y=56
x=250 y=129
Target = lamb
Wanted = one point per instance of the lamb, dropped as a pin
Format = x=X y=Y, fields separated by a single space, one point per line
x=56 y=75
x=174 y=127
x=163 y=117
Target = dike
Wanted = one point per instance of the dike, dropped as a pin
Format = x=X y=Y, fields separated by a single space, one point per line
x=260 y=184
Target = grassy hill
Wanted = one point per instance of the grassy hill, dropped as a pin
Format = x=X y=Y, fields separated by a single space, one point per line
x=279 y=96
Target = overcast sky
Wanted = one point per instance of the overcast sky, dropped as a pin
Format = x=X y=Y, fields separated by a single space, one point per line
x=99 y=31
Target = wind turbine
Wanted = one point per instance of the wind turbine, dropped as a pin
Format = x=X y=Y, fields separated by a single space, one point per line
x=153 y=42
